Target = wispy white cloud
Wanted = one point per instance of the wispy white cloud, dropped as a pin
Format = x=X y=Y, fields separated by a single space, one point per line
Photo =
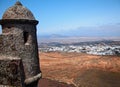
x=105 y=30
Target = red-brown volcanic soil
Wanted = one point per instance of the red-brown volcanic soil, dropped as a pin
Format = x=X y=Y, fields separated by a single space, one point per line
x=82 y=70
x=52 y=83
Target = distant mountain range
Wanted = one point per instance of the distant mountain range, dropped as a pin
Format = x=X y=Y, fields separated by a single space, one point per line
x=68 y=39
x=52 y=36
x=82 y=34
x=110 y=30
x=99 y=31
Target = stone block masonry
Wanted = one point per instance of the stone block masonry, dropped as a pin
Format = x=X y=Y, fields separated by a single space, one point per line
x=11 y=72
x=19 y=60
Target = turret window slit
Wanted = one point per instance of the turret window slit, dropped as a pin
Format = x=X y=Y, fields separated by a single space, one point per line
x=26 y=36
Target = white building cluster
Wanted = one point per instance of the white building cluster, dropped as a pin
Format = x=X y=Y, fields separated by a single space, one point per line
x=89 y=49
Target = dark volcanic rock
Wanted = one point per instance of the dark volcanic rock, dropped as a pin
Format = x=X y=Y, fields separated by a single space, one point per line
x=51 y=83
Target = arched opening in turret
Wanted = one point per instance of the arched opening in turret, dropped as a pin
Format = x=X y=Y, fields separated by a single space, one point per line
x=0 y=30
x=26 y=36
x=9 y=27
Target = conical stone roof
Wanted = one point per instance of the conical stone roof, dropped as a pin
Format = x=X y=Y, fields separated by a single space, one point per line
x=18 y=11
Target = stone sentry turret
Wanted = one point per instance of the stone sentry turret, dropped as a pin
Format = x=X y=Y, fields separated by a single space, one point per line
x=19 y=59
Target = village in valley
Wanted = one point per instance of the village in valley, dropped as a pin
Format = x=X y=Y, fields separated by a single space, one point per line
x=95 y=48
x=66 y=49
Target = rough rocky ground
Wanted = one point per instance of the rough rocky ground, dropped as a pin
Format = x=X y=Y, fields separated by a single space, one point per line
x=82 y=70
x=52 y=83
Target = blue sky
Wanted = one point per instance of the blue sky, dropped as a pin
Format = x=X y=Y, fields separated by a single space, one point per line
x=73 y=17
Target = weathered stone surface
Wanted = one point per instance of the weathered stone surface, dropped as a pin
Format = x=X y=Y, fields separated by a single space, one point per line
x=19 y=40
x=18 y=12
x=11 y=71
x=14 y=43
